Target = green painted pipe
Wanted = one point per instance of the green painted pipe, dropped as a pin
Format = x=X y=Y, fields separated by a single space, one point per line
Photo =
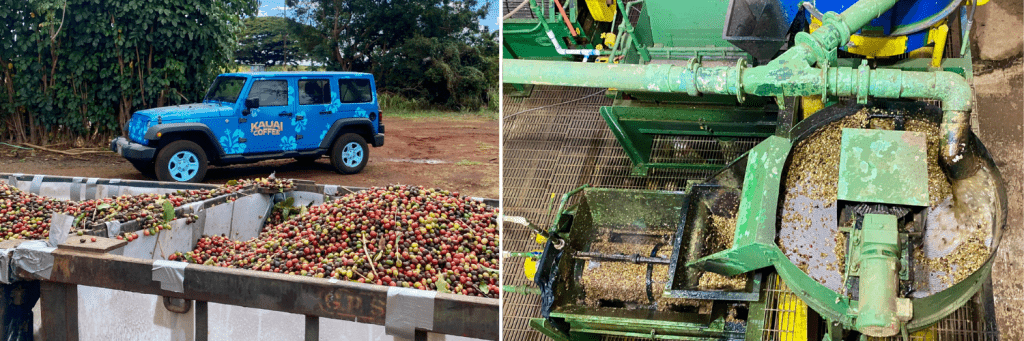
x=791 y=74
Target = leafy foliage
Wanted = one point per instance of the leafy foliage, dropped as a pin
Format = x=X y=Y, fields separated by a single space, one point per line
x=269 y=41
x=431 y=49
x=81 y=67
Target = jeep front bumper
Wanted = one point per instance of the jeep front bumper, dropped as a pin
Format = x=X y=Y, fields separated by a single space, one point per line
x=131 y=150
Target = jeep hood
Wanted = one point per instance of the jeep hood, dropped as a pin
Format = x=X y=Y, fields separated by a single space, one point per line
x=192 y=111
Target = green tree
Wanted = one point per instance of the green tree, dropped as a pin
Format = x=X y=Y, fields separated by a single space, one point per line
x=407 y=45
x=269 y=41
x=81 y=67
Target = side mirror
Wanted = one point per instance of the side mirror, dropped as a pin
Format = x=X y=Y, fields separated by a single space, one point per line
x=252 y=103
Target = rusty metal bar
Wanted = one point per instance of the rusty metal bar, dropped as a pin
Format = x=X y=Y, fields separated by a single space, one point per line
x=453 y=314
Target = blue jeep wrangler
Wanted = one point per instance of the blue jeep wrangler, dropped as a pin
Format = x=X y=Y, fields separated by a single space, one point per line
x=249 y=117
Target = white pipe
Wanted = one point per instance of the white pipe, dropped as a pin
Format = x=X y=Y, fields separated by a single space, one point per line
x=562 y=51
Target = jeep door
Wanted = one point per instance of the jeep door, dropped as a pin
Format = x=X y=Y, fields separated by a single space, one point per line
x=269 y=127
x=358 y=99
x=315 y=115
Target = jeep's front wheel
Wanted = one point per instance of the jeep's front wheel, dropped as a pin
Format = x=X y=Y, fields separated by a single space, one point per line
x=181 y=161
x=349 y=154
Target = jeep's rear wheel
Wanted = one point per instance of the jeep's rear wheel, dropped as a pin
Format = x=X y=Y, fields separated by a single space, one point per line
x=349 y=154
x=181 y=161
x=144 y=167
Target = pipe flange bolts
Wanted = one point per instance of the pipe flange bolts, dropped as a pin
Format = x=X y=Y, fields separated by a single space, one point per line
x=863 y=82
x=740 y=65
x=693 y=65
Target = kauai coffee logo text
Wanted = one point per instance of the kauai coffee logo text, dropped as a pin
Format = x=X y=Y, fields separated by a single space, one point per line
x=261 y=128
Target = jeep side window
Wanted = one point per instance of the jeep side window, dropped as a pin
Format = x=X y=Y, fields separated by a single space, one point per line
x=270 y=93
x=314 y=91
x=355 y=90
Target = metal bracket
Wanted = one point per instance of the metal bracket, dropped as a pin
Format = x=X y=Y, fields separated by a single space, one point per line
x=740 y=64
x=177 y=305
x=863 y=82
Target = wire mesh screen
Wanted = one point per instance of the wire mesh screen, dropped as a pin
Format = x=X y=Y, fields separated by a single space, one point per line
x=699 y=149
x=507 y=6
x=784 y=314
x=535 y=132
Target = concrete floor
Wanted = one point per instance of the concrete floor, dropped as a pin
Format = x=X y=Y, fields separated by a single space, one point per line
x=998 y=82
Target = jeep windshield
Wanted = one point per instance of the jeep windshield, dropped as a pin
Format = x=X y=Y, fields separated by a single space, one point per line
x=225 y=89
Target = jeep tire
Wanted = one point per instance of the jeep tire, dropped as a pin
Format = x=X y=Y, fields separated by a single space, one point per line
x=349 y=154
x=181 y=161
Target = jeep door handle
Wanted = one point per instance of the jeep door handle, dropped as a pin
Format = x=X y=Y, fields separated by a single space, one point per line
x=325 y=113
x=285 y=114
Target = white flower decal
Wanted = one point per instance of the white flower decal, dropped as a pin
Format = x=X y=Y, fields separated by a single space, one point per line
x=230 y=141
x=335 y=105
x=361 y=113
x=137 y=128
x=298 y=124
x=288 y=143
x=323 y=135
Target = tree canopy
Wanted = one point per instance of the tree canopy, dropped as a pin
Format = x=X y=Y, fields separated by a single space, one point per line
x=433 y=49
x=81 y=67
x=269 y=41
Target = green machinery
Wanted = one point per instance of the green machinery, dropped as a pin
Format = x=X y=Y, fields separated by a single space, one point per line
x=779 y=72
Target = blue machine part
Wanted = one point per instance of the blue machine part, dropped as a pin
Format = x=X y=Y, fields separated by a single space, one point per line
x=904 y=14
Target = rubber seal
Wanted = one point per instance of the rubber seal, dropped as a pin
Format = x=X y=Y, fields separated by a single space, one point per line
x=170 y=274
x=408 y=310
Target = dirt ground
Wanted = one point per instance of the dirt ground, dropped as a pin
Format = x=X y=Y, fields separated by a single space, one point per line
x=1000 y=106
x=998 y=83
x=458 y=153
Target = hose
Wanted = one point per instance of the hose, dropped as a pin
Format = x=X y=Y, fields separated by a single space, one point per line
x=514 y=10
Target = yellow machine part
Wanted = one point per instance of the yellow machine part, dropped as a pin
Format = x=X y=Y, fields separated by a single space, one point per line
x=601 y=11
x=530 y=266
x=811 y=105
x=792 y=319
x=871 y=47
x=937 y=35
x=792 y=322
x=609 y=39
